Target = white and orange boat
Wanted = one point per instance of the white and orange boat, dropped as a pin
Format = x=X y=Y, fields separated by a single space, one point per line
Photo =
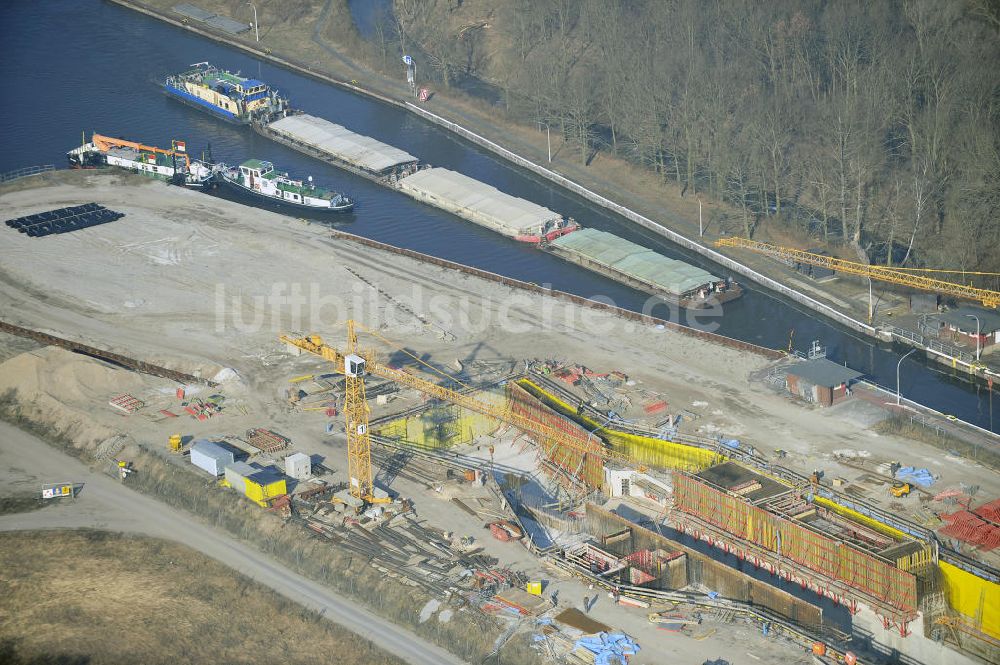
x=173 y=165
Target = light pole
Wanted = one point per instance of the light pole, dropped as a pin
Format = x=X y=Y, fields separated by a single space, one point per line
x=548 y=139
x=871 y=305
x=897 y=373
x=701 y=227
x=973 y=316
x=256 y=28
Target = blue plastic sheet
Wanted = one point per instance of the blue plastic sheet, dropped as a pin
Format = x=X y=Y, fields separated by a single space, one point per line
x=921 y=477
x=608 y=646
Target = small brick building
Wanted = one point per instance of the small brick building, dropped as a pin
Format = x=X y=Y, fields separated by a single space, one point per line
x=821 y=381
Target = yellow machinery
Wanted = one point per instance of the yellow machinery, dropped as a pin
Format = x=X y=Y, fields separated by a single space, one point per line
x=881 y=273
x=900 y=489
x=175 y=442
x=356 y=363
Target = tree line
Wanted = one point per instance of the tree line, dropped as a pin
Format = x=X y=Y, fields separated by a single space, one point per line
x=877 y=124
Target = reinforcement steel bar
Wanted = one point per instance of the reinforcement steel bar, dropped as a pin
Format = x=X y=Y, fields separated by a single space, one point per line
x=124 y=361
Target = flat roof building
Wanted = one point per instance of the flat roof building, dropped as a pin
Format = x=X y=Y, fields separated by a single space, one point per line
x=821 y=381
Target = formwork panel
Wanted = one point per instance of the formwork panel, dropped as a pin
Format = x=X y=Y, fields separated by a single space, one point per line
x=642 y=449
x=859 y=570
x=589 y=468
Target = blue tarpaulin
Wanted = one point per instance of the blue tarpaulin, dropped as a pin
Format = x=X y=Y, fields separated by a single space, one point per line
x=731 y=443
x=920 y=477
x=608 y=646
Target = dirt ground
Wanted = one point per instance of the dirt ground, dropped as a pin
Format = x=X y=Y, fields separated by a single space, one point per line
x=98 y=597
x=200 y=284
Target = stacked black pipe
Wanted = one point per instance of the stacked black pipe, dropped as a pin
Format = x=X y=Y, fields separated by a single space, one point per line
x=64 y=220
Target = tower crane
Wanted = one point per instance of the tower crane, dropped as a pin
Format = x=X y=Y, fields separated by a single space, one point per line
x=882 y=273
x=356 y=363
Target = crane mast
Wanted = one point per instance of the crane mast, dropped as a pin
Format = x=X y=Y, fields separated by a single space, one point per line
x=359 y=444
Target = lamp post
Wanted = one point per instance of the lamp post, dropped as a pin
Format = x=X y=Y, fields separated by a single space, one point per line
x=973 y=316
x=256 y=28
x=548 y=137
x=897 y=373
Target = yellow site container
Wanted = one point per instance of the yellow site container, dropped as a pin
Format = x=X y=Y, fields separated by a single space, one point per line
x=534 y=588
x=261 y=489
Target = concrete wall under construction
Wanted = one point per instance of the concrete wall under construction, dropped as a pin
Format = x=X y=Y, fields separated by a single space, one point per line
x=703 y=569
x=646 y=450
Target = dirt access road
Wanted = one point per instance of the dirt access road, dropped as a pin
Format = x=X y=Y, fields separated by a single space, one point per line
x=106 y=504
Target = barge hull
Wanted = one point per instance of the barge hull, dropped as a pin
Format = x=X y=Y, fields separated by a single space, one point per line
x=687 y=302
x=322 y=156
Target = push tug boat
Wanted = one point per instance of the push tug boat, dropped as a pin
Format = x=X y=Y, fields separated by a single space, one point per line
x=226 y=95
x=259 y=179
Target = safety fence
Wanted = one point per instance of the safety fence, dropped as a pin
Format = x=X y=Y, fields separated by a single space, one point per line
x=10 y=176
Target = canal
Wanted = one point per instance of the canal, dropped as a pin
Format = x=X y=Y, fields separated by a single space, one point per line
x=74 y=66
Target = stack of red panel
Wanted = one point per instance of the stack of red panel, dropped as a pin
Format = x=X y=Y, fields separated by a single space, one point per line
x=980 y=528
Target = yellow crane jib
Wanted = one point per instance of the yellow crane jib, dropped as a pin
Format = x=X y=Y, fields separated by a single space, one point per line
x=882 y=273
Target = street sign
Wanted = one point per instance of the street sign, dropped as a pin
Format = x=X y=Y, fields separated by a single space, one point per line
x=407 y=59
x=57 y=491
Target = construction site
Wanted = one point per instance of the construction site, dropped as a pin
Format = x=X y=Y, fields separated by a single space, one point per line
x=591 y=486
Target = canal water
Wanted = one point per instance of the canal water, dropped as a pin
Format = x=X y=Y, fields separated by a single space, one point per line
x=73 y=66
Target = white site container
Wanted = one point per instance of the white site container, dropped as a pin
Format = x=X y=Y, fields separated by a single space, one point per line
x=298 y=466
x=211 y=457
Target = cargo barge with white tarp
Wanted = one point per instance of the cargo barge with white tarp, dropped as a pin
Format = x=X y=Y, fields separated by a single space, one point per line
x=486 y=205
x=337 y=145
x=643 y=269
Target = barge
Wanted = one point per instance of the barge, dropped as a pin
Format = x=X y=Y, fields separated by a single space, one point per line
x=263 y=183
x=339 y=146
x=172 y=165
x=394 y=168
x=640 y=268
x=485 y=205
x=225 y=95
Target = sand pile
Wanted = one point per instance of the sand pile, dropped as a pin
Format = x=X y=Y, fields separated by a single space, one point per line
x=58 y=388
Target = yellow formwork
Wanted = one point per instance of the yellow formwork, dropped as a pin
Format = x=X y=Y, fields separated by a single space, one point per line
x=441 y=426
x=646 y=450
x=860 y=518
x=973 y=597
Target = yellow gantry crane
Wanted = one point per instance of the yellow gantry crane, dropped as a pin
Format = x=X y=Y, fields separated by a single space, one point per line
x=882 y=273
x=356 y=363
